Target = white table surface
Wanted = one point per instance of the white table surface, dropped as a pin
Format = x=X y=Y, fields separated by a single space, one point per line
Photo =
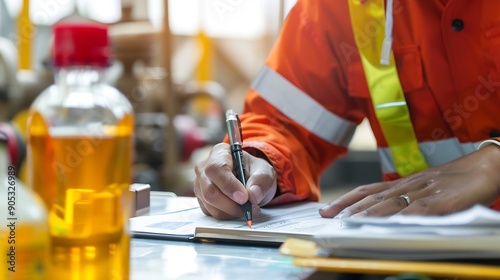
x=153 y=259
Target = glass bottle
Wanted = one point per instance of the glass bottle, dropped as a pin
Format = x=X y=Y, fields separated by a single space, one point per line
x=80 y=144
x=23 y=225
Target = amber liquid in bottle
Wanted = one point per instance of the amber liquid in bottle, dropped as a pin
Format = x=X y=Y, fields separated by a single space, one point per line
x=84 y=176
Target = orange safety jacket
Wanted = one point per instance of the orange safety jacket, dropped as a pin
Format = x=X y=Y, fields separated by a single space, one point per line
x=306 y=101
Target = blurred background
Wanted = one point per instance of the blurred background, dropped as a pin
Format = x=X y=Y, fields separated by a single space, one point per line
x=180 y=60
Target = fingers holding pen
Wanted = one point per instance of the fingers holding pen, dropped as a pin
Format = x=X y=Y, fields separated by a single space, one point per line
x=261 y=177
x=214 y=202
x=219 y=191
x=261 y=182
x=215 y=185
x=219 y=169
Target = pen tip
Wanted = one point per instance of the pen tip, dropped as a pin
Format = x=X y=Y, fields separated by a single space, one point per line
x=249 y=223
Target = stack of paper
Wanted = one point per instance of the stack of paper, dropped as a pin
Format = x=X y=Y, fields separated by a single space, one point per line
x=471 y=234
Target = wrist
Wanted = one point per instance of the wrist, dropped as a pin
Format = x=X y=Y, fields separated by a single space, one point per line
x=489 y=142
x=491 y=151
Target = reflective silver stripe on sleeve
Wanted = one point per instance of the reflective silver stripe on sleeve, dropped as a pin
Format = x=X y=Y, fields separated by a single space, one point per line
x=298 y=106
x=435 y=153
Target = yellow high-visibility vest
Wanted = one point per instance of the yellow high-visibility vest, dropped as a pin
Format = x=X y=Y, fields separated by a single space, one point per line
x=368 y=21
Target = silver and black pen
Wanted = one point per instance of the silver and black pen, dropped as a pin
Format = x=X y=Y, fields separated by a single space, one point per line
x=236 y=142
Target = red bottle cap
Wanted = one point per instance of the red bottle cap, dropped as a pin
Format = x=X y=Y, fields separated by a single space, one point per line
x=80 y=44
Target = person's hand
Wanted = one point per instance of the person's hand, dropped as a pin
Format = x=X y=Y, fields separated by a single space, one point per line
x=457 y=185
x=220 y=193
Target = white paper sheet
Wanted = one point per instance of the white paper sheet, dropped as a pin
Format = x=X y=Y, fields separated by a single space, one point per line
x=293 y=218
x=472 y=217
